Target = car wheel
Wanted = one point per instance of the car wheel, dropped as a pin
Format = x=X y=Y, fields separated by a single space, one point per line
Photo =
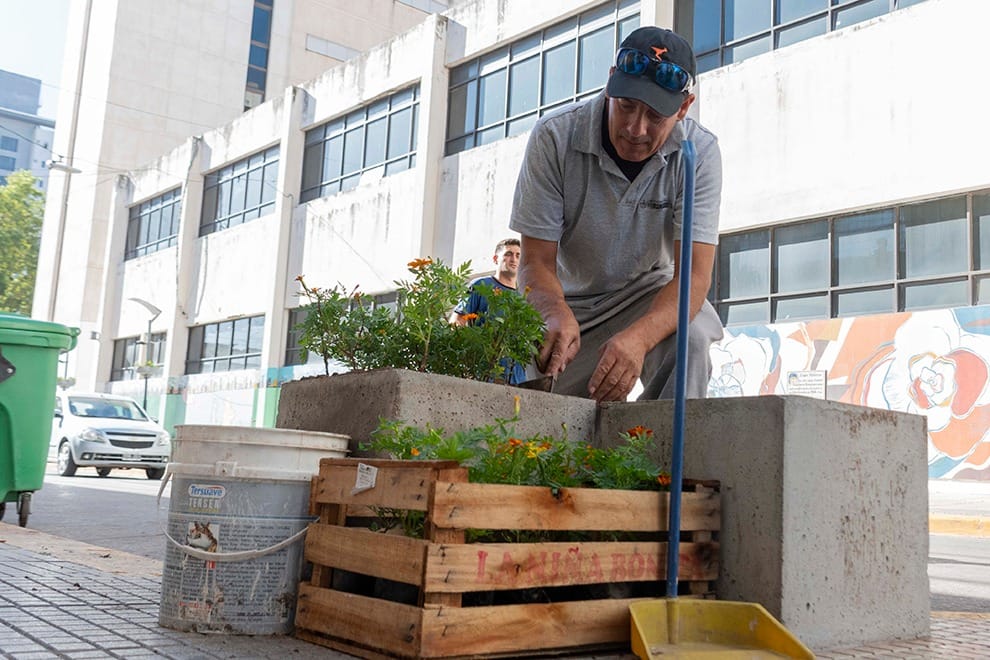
x=66 y=466
x=103 y=472
x=155 y=473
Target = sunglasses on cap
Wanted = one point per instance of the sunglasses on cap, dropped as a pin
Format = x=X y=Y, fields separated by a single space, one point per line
x=668 y=75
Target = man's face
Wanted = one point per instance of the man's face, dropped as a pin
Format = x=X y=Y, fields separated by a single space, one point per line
x=636 y=131
x=507 y=261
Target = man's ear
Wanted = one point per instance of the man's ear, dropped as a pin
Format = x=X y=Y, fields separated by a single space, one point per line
x=495 y=258
x=683 y=110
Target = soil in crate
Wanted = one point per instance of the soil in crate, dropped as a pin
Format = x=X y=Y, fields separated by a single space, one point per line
x=375 y=594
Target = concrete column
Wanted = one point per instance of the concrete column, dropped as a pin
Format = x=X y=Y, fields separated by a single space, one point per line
x=657 y=12
x=292 y=142
x=432 y=131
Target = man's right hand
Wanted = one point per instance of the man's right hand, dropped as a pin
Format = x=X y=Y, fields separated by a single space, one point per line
x=560 y=342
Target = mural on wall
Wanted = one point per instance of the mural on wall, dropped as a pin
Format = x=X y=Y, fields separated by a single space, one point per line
x=933 y=363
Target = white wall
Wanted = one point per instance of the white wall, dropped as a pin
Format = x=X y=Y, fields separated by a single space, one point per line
x=883 y=111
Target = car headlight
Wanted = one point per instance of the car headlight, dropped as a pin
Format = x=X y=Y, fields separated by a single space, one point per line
x=93 y=435
x=163 y=438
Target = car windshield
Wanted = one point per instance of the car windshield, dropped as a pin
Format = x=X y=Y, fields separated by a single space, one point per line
x=110 y=408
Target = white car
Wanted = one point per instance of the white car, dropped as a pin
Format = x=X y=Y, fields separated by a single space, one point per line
x=106 y=431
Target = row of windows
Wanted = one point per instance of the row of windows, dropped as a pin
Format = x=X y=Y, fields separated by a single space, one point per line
x=727 y=31
x=240 y=192
x=128 y=354
x=8 y=143
x=226 y=346
x=293 y=349
x=503 y=93
x=261 y=36
x=929 y=255
x=376 y=139
x=153 y=225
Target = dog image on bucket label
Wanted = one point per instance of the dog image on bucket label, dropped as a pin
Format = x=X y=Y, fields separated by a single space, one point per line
x=202 y=536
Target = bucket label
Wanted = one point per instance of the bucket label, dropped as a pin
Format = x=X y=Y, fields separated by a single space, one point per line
x=206 y=498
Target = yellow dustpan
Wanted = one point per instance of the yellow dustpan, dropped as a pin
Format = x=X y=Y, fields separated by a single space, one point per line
x=692 y=628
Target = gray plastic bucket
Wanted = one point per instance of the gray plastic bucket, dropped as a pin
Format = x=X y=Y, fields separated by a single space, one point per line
x=237 y=517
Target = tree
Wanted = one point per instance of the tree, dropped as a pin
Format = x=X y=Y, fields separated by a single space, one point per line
x=22 y=209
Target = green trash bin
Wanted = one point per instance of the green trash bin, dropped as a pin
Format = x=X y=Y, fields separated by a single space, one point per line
x=29 y=351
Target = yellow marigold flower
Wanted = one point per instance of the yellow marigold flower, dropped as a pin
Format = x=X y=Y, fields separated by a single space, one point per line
x=414 y=451
x=527 y=290
x=515 y=404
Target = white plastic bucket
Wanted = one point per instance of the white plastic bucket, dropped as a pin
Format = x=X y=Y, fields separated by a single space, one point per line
x=238 y=512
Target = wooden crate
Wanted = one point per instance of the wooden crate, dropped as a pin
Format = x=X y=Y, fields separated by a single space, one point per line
x=444 y=569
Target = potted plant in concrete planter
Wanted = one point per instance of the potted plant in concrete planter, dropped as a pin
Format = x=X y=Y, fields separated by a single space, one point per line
x=409 y=363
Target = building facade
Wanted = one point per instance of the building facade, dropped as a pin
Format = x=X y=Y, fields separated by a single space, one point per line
x=854 y=198
x=25 y=137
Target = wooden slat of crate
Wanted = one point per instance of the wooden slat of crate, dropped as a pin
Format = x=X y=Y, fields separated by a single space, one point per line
x=527 y=628
x=401 y=484
x=377 y=624
x=495 y=567
x=499 y=506
x=391 y=556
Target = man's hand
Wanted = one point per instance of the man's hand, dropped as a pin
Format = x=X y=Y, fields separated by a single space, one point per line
x=560 y=342
x=619 y=365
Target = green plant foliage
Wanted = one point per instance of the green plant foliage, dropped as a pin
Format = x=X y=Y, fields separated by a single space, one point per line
x=345 y=327
x=22 y=209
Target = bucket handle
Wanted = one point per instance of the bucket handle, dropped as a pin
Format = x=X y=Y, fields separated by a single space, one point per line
x=242 y=555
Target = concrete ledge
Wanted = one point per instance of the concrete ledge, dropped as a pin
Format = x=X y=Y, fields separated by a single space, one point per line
x=354 y=402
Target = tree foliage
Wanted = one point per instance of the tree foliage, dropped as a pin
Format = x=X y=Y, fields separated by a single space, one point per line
x=22 y=209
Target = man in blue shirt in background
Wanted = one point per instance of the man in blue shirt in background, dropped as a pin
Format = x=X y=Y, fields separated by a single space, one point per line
x=475 y=306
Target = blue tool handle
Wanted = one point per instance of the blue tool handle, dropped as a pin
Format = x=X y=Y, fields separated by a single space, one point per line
x=680 y=373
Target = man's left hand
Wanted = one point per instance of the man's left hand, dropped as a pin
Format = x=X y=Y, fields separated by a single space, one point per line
x=619 y=365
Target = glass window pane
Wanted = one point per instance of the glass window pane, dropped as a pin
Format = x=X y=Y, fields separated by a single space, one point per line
x=312 y=160
x=748 y=49
x=802 y=31
x=240 y=336
x=521 y=125
x=524 y=86
x=461 y=117
x=254 y=188
x=400 y=126
x=981 y=230
x=709 y=62
x=257 y=334
x=860 y=303
x=907 y=3
x=492 y=134
x=982 y=291
x=270 y=184
x=801 y=257
x=256 y=78
x=353 y=150
x=210 y=341
x=627 y=25
x=935 y=295
x=238 y=190
x=597 y=51
x=934 y=238
x=864 y=248
x=558 y=73
x=707 y=27
x=261 y=25
x=526 y=46
x=864 y=12
x=491 y=98
x=746 y=17
x=224 y=338
x=464 y=72
x=397 y=166
x=801 y=309
x=378 y=109
x=374 y=143
x=745 y=313
x=333 y=158
x=744 y=265
x=258 y=56
x=789 y=10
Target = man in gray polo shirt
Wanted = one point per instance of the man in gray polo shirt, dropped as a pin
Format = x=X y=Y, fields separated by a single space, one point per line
x=599 y=205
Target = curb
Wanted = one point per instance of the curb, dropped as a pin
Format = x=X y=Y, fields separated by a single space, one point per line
x=959 y=525
x=116 y=562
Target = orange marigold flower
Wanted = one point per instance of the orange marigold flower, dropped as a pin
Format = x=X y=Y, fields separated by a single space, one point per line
x=419 y=263
x=470 y=317
x=663 y=479
x=515 y=442
x=414 y=451
x=639 y=431
x=299 y=278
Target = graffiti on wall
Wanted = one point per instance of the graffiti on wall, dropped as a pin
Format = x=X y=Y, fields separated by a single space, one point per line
x=934 y=363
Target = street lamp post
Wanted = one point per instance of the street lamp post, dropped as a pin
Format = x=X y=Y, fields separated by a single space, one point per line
x=144 y=369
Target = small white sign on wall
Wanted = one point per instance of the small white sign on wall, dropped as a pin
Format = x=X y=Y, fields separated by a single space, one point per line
x=807 y=383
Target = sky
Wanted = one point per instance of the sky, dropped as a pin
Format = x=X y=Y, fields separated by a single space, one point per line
x=32 y=33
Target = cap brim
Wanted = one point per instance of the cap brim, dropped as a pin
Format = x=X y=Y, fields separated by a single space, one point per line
x=625 y=86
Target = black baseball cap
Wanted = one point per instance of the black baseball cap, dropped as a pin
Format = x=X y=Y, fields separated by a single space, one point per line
x=660 y=45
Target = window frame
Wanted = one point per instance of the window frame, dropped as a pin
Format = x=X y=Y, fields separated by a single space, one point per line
x=139 y=221
x=125 y=359
x=249 y=356
x=220 y=183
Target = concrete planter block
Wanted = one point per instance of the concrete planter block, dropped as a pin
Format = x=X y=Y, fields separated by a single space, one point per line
x=824 y=508
x=353 y=403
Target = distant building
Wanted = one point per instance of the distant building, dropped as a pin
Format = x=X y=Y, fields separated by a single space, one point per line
x=25 y=138
x=855 y=224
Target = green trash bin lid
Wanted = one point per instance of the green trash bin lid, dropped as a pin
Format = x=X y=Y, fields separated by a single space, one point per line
x=25 y=331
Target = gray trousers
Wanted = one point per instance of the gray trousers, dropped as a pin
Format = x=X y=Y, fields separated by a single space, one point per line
x=658 y=366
